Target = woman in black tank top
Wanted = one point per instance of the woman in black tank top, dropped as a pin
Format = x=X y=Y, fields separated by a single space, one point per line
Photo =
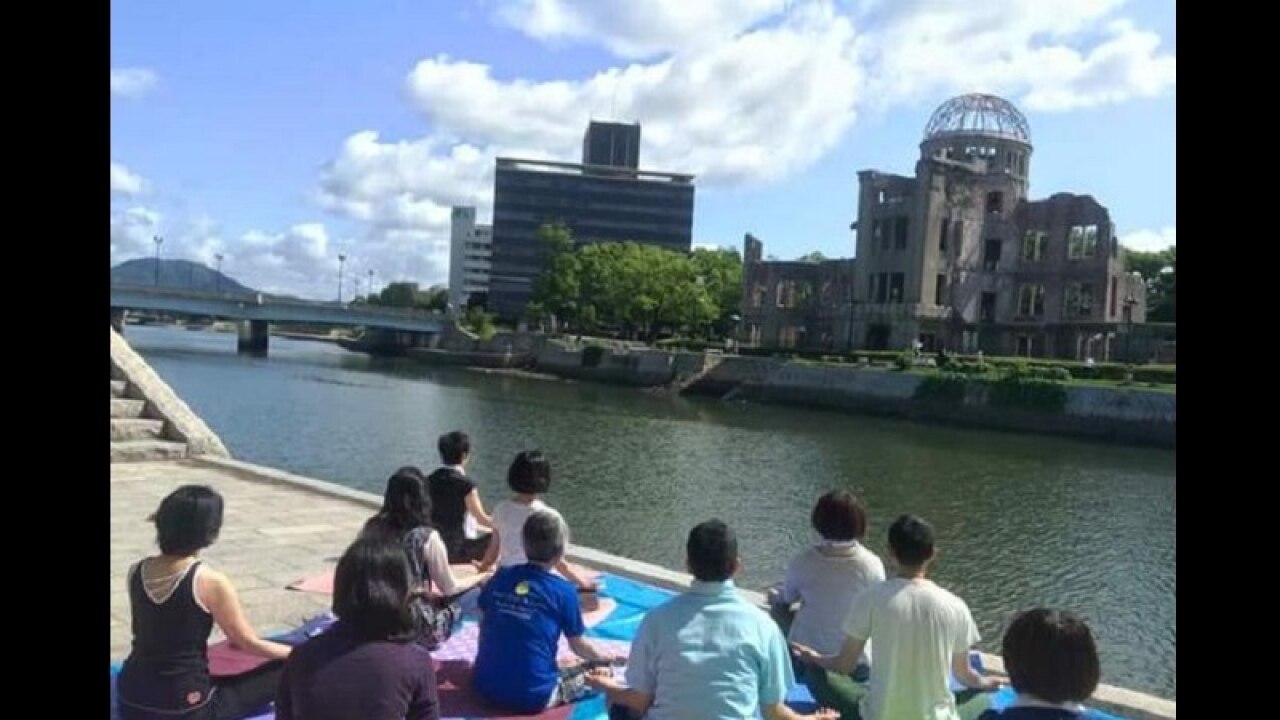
x=175 y=601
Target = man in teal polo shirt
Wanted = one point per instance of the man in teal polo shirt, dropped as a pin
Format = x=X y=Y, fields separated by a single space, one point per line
x=708 y=653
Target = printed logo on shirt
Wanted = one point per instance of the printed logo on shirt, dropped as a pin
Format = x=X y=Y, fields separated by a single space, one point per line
x=193 y=697
x=522 y=588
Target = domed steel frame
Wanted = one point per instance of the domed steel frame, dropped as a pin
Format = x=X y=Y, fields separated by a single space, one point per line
x=978 y=114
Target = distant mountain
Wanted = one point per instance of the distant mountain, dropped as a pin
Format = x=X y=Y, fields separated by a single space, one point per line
x=181 y=274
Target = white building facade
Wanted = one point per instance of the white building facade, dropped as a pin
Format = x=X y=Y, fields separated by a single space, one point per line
x=470 y=257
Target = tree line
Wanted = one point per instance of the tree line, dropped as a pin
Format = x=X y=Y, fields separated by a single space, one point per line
x=634 y=290
x=1159 y=270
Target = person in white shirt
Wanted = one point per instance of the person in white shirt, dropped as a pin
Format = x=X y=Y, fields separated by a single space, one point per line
x=529 y=478
x=827 y=577
x=921 y=633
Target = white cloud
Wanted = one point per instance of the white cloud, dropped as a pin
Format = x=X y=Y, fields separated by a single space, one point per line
x=132 y=83
x=132 y=230
x=637 y=29
x=1150 y=240
x=126 y=182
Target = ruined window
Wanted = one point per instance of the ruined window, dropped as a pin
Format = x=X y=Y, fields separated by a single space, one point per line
x=1082 y=242
x=1115 y=291
x=1026 y=346
x=880 y=196
x=877 y=232
x=897 y=282
x=780 y=293
x=987 y=310
x=900 y=232
x=758 y=295
x=886 y=233
x=939 y=289
x=1031 y=301
x=995 y=202
x=991 y=254
x=944 y=227
x=1079 y=299
x=1033 y=245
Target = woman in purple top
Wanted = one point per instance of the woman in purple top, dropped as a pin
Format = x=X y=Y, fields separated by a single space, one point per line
x=367 y=665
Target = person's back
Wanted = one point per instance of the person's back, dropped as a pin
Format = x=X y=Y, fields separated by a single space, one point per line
x=509 y=517
x=710 y=645
x=915 y=627
x=339 y=675
x=708 y=653
x=526 y=609
x=368 y=665
x=448 y=488
x=168 y=661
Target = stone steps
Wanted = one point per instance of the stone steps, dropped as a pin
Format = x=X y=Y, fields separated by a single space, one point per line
x=126 y=408
x=147 y=450
x=124 y=429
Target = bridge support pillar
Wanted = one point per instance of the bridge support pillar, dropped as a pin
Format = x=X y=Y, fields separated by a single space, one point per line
x=253 y=337
x=117 y=319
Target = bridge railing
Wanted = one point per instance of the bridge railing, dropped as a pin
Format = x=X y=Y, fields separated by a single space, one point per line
x=263 y=299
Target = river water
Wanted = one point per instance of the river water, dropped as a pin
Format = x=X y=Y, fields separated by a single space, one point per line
x=1021 y=520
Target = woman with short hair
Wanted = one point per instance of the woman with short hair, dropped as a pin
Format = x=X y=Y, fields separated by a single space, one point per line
x=175 y=600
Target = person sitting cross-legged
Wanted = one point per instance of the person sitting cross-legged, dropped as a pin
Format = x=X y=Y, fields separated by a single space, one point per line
x=920 y=632
x=707 y=654
x=526 y=608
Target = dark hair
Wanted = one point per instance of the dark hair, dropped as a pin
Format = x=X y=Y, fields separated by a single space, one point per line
x=543 y=536
x=188 y=520
x=839 y=516
x=530 y=473
x=453 y=447
x=911 y=540
x=371 y=590
x=712 y=551
x=406 y=505
x=1051 y=654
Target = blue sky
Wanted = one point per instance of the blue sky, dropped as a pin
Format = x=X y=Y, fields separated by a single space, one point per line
x=281 y=134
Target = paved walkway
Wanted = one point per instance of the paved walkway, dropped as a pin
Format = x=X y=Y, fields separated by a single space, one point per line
x=272 y=534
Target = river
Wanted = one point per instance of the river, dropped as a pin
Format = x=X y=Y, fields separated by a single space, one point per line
x=1021 y=520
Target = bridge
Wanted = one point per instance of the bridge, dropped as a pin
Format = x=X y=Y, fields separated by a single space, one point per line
x=256 y=312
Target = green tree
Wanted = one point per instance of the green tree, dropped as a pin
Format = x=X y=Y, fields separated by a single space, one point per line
x=1159 y=270
x=721 y=270
x=398 y=294
x=433 y=299
x=556 y=290
x=813 y=257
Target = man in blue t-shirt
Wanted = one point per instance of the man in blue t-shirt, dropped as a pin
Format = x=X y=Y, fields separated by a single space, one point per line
x=526 y=608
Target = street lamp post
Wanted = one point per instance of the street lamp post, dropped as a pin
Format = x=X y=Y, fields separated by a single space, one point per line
x=1129 y=302
x=217 y=280
x=370 y=288
x=342 y=259
x=158 y=241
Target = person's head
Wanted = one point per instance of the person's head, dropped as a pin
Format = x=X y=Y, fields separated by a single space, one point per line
x=543 y=536
x=371 y=590
x=405 y=504
x=188 y=520
x=712 y=552
x=530 y=473
x=455 y=447
x=1050 y=654
x=911 y=541
x=839 y=516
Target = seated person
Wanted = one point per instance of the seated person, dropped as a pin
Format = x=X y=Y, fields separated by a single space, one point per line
x=529 y=478
x=176 y=600
x=367 y=664
x=707 y=653
x=526 y=608
x=405 y=520
x=1052 y=664
x=456 y=509
x=826 y=578
x=920 y=632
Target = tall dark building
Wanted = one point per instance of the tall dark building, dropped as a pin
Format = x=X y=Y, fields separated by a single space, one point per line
x=598 y=204
x=614 y=144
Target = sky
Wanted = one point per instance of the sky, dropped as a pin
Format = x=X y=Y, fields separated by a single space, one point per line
x=282 y=134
